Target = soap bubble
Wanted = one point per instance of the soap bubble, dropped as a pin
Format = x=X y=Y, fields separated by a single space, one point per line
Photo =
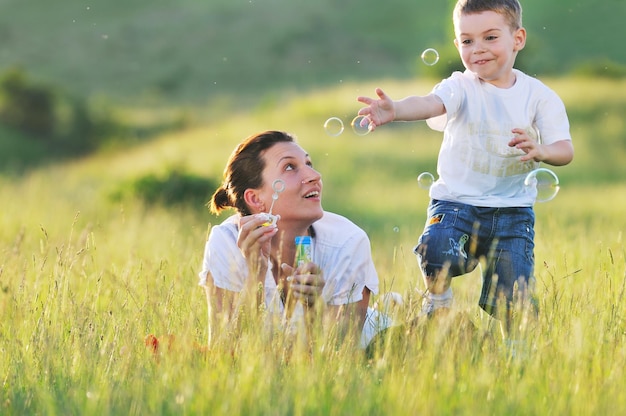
x=430 y=56
x=333 y=126
x=545 y=182
x=360 y=125
x=425 y=180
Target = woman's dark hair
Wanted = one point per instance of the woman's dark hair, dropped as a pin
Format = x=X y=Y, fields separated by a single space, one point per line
x=243 y=171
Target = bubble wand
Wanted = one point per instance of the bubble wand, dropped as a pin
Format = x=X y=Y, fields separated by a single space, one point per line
x=278 y=186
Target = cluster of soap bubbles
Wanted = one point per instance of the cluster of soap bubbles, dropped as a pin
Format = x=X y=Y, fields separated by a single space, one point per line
x=360 y=126
x=542 y=182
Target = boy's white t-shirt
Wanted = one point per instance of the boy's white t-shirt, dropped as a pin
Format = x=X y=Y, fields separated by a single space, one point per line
x=340 y=248
x=476 y=166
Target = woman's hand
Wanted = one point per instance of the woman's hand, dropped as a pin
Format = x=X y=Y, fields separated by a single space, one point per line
x=254 y=241
x=306 y=283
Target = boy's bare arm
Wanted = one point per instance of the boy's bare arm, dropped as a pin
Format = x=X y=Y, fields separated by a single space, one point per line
x=385 y=110
x=558 y=153
x=418 y=108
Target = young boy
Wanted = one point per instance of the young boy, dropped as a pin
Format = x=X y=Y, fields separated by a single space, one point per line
x=498 y=125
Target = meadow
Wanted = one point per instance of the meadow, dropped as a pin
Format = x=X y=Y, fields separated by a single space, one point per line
x=84 y=278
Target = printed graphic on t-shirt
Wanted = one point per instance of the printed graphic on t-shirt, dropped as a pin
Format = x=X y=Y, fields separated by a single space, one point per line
x=487 y=150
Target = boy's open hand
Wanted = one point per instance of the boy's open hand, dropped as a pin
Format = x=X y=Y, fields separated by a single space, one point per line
x=378 y=111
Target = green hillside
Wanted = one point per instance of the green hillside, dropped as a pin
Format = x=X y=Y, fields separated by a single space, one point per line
x=155 y=51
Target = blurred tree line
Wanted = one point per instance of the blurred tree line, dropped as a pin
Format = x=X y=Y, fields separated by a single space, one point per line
x=44 y=113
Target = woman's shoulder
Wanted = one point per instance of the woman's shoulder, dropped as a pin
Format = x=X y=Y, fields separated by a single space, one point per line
x=336 y=227
x=227 y=227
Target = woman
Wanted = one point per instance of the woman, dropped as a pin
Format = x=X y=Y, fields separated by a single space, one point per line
x=249 y=256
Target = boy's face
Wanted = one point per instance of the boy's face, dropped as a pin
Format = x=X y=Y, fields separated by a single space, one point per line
x=488 y=46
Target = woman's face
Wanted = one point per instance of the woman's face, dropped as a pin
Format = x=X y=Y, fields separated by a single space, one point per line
x=301 y=198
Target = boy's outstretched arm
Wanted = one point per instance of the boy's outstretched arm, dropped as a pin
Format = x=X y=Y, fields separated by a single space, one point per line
x=384 y=110
x=556 y=154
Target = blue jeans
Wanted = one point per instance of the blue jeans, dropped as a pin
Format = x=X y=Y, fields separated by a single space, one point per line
x=457 y=236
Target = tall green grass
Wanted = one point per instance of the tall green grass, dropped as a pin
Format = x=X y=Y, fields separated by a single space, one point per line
x=84 y=278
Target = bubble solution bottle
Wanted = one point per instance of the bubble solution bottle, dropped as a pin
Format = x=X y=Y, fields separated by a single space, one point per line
x=304 y=250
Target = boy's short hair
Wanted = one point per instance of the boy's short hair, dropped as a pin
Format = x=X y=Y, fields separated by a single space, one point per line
x=510 y=9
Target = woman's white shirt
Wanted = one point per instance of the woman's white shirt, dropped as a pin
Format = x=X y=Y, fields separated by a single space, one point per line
x=341 y=250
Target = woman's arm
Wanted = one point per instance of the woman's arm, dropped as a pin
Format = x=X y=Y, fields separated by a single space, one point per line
x=220 y=308
x=345 y=322
x=351 y=317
